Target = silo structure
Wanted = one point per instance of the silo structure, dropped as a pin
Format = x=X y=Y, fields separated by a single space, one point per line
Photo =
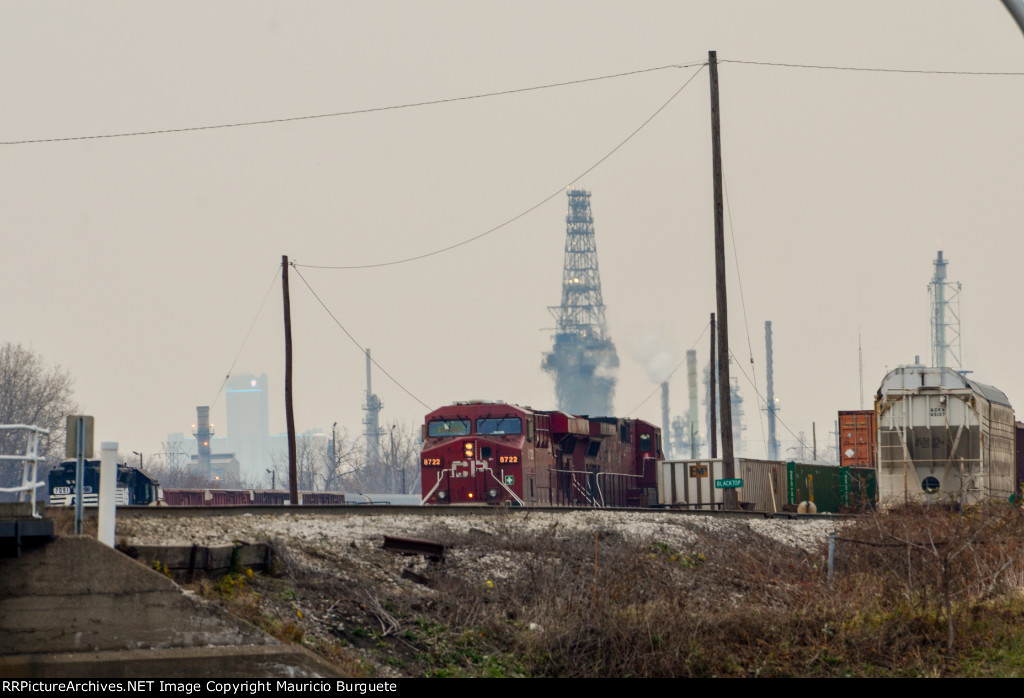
x=942 y=437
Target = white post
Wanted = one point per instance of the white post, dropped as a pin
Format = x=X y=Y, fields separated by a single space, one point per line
x=108 y=492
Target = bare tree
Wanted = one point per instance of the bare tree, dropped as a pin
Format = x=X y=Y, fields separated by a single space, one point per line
x=400 y=458
x=319 y=467
x=176 y=473
x=397 y=468
x=311 y=459
x=344 y=468
x=36 y=394
x=340 y=460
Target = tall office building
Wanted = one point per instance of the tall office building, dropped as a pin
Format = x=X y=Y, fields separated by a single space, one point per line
x=248 y=408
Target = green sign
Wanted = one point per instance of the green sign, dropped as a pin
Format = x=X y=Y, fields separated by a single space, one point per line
x=510 y=480
x=729 y=484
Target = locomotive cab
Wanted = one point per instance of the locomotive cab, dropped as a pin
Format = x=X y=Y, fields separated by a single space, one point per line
x=475 y=453
x=134 y=487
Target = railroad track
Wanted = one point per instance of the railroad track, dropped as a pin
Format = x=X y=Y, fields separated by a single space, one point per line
x=146 y=512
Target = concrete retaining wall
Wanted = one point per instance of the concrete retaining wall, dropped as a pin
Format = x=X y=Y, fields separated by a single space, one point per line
x=80 y=598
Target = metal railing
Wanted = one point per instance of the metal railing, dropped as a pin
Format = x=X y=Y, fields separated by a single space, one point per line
x=30 y=463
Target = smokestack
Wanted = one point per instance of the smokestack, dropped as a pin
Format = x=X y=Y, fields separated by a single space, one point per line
x=938 y=314
x=664 y=411
x=773 y=444
x=203 y=433
x=692 y=421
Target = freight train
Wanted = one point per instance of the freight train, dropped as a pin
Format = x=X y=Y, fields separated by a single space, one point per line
x=498 y=453
x=136 y=488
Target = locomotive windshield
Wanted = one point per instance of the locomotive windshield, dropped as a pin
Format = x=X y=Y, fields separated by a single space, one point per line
x=499 y=425
x=448 y=427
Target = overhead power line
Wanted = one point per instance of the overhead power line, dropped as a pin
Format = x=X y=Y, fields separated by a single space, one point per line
x=762 y=398
x=245 y=340
x=498 y=93
x=672 y=372
x=531 y=209
x=352 y=112
x=743 y=302
x=864 y=69
x=354 y=341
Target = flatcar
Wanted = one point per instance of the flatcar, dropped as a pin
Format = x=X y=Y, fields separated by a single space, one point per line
x=134 y=487
x=502 y=454
x=213 y=497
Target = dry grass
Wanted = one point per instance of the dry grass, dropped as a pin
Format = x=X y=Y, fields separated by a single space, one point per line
x=64 y=521
x=916 y=592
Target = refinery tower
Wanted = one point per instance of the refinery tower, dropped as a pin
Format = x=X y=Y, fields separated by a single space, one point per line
x=583 y=360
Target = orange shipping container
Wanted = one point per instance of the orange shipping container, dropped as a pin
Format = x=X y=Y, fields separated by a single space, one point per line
x=857 y=438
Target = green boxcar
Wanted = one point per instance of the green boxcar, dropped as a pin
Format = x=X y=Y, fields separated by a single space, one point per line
x=831 y=489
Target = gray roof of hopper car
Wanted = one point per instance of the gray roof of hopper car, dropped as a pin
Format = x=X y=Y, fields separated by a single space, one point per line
x=990 y=393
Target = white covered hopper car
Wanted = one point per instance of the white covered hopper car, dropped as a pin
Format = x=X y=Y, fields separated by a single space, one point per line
x=942 y=437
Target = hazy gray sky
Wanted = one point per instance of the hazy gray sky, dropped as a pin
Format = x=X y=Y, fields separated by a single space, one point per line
x=139 y=263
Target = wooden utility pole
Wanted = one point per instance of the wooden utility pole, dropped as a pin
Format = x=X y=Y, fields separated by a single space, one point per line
x=712 y=412
x=724 y=399
x=293 y=474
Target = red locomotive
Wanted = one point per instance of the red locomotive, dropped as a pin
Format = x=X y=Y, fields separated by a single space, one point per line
x=498 y=453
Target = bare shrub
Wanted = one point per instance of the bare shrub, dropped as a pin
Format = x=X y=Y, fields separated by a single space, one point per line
x=609 y=605
x=935 y=561
x=517 y=600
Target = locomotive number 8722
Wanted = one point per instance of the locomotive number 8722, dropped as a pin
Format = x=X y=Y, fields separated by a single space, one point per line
x=498 y=453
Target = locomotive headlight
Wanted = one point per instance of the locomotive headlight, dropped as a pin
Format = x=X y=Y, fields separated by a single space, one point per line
x=442 y=495
x=467 y=449
x=492 y=493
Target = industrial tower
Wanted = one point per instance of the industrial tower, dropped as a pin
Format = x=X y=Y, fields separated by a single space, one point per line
x=738 y=427
x=373 y=406
x=771 y=407
x=692 y=420
x=735 y=401
x=945 y=317
x=583 y=359
x=686 y=430
x=666 y=423
x=203 y=431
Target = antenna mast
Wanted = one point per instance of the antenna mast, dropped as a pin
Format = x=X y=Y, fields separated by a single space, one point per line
x=860 y=366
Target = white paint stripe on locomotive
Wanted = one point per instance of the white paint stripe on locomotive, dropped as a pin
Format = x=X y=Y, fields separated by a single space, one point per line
x=89 y=499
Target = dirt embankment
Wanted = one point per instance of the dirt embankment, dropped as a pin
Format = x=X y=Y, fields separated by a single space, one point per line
x=623 y=594
x=379 y=613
